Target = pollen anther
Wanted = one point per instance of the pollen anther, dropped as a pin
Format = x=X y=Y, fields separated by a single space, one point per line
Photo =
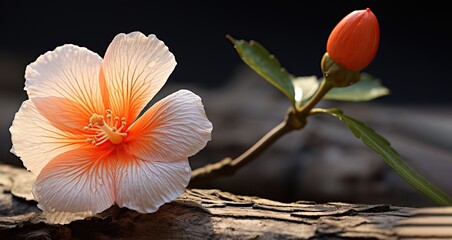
x=105 y=130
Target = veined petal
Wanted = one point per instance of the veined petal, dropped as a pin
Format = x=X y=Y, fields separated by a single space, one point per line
x=75 y=185
x=174 y=128
x=36 y=140
x=145 y=186
x=70 y=72
x=64 y=114
x=134 y=69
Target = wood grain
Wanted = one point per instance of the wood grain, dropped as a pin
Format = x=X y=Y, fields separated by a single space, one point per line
x=214 y=214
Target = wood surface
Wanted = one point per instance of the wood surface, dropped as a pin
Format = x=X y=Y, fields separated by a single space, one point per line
x=215 y=214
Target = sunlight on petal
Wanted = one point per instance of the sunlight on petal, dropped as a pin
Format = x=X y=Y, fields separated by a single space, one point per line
x=174 y=128
x=70 y=72
x=36 y=141
x=134 y=69
x=145 y=186
x=75 y=184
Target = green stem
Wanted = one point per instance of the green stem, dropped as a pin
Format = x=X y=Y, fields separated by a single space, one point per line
x=324 y=87
x=295 y=119
x=229 y=166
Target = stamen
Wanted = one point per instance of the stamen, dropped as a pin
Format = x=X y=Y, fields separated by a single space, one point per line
x=105 y=131
x=102 y=141
x=109 y=116
x=96 y=120
x=102 y=138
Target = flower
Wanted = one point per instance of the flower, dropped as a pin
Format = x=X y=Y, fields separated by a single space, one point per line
x=80 y=134
x=354 y=41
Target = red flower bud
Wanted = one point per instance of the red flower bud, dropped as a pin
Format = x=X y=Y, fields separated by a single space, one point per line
x=353 y=43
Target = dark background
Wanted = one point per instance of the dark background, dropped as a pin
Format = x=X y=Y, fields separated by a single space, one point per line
x=413 y=60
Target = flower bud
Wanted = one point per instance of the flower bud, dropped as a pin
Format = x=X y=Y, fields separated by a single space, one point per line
x=337 y=75
x=353 y=43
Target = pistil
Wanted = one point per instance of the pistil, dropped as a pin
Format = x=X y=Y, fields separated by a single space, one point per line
x=105 y=130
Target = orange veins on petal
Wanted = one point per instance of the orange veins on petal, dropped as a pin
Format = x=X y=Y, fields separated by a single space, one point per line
x=62 y=113
x=104 y=89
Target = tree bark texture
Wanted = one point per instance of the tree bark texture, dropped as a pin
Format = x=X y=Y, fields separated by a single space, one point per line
x=214 y=214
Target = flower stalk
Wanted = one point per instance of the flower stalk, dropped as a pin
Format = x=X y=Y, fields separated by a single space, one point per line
x=229 y=166
x=294 y=120
x=351 y=47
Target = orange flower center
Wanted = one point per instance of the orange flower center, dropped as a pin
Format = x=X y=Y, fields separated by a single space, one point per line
x=104 y=130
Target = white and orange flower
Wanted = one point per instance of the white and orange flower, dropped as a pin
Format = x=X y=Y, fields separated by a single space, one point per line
x=80 y=134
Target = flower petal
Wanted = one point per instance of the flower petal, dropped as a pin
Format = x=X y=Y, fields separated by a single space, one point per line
x=36 y=141
x=75 y=184
x=174 y=128
x=70 y=72
x=134 y=69
x=64 y=114
x=144 y=186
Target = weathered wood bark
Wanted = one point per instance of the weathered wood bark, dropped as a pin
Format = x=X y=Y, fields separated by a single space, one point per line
x=213 y=214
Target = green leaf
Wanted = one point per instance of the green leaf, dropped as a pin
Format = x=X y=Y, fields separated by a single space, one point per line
x=384 y=149
x=304 y=87
x=366 y=89
x=266 y=65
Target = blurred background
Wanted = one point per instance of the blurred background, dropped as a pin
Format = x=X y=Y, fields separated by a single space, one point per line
x=321 y=163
